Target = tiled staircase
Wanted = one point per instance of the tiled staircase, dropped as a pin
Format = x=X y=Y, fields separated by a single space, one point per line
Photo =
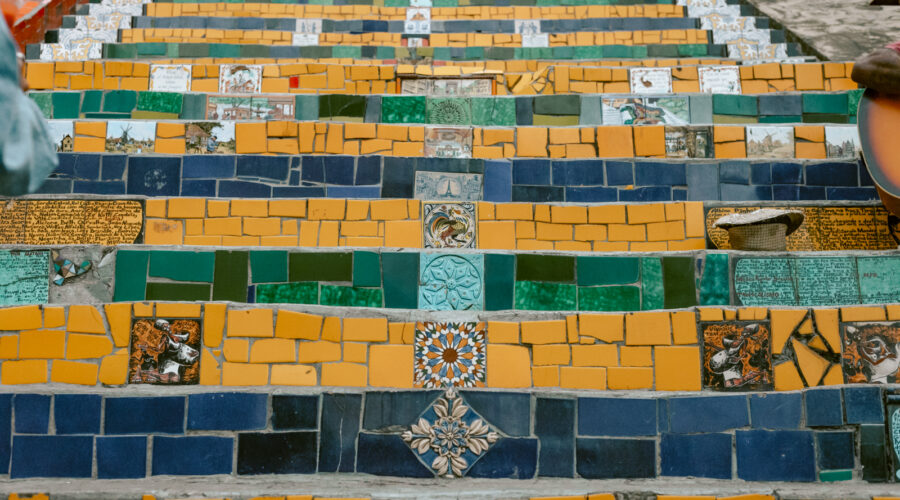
x=531 y=285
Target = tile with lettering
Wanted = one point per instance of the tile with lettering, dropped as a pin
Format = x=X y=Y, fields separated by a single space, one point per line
x=170 y=78
x=720 y=79
x=450 y=354
x=24 y=277
x=165 y=352
x=451 y=282
x=240 y=78
x=826 y=281
x=209 y=138
x=448 y=142
x=770 y=142
x=736 y=356
x=535 y=40
x=841 y=142
x=651 y=80
x=764 y=282
x=449 y=225
x=130 y=136
x=879 y=279
x=62 y=133
x=304 y=39
x=447 y=186
x=871 y=353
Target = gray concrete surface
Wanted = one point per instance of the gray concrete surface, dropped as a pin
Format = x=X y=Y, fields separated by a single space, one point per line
x=840 y=30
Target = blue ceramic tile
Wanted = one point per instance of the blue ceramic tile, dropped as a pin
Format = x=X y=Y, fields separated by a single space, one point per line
x=297 y=192
x=391 y=409
x=656 y=193
x=121 y=457
x=787 y=193
x=775 y=104
x=154 y=175
x=761 y=173
x=616 y=417
x=368 y=170
x=226 y=411
x=387 y=455
x=52 y=456
x=91 y=187
x=703 y=181
x=55 y=186
x=276 y=453
x=735 y=172
x=619 y=173
x=497 y=181
x=192 y=455
x=615 y=458
x=208 y=166
x=662 y=415
x=707 y=413
x=851 y=194
x=823 y=407
x=313 y=169
x=353 y=191
x=339 y=429
x=554 y=425
x=787 y=173
x=66 y=167
x=531 y=172
x=294 y=179
x=775 y=455
x=538 y=194
x=86 y=166
x=205 y=188
x=872 y=454
x=508 y=412
x=659 y=173
x=113 y=167
x=137 y=415
x=243 y=189
x=740 y=192
x=508 y=458
x=558 y=173
x=339 y=170
x=398 y=178
x=5 y=430
x=776 y=411
x=696 y=455
x=863 y=405
x=267 y=167
x=835 y=450
x=831 y=174
x=77 y=413
x=32 y=413
x=810 y=193
x=295 y=412
x=864 y=178
x=591 y=194
x=582 y=172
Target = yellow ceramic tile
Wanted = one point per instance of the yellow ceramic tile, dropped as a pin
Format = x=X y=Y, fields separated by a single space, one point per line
x=786 y=377
x=297 y=375
x=213 y=324
x=545 y=376
x=550 y=354
x=23 y=372
x=606 y=327
x=595 y=355
x=648 y=328
x=250 y=323
x=236 y=350
x=783 y=323
x=20 y=318
x=503 y=332
x=114 y=369
x=544 y=332
x=579 y=377
x=811 y=364
x=81 y=346
x=508 y=366
x=365 y=329
x=636 y=356
x=273 y=351
x=319 y=352
x=391 y=366
x=210 y=371
x=56 y=316
x=871 y=313
x=73 y=372
x=42 y=344
x=677 y=368
x=295 y=325
x=344 y=375
x=244 y=374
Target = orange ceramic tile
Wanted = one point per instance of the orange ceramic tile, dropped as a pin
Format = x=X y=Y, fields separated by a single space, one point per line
x=784 y=321
x=81 y=346
x=544 y=332
x=786 y=377
x=42 y=344
x=213 y=324
x=73 y=372
x=9 y=347
x=244 y=374
x=85 y=319
x=114 y=369
x=606 y=214
x=595 y=355
x=677 y=368
x=273 y=351
x=326 y=209
x=250 y=323
x=870 y=313
x=636 y=355
x=236 y=350
x=605 y=327
x=319 y=351
x=545 y=376
x=287 y=208
x=39 y=75
x=344 y=375
x=296 y=325
x=568 y=214
x=404 y=234
x=643 y=213
x=503 y=332
x=531 y=142
x=727 y=133
x=508 y=366
x=331 y=329
x=649 y=141
x=626 y=232
x=550 y=354
x=293 y=374
x=619 y=378
x=572 y=377
x=813 y=133
x=183 y=208
x=365 y=329
x=250 y=137
x=647 y=328
x=163 y=232
x=20 y=318
x=809 y=76
x=391 y=366
x=684 y=327
x=615 y=141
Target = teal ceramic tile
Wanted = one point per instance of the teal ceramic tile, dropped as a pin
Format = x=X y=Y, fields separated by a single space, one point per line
x=120 y=101
x=401 y=279
x=65 y=104
x=493 y=111
x=825 y=103
x=321 y=266
x=450 y=282
x=268 y=266
x=131 y=275
x=448 y=111
x=44 y=101
x=680 y=285
x=403 y=109
x=714 y=285
x=826 y=281
x=827 y=476
x=554 y=268
x=741 y=105
x=499 y=281
x=557 y=105
x=306 y=107
x=230 y=280
x=24 y=277
x=366 y=269
x=160 y=102
x=288 y=293
x=91 y=101
x=350 y=296
x=182 y=266
x=178 y=291
x=701 y=109
x=538 y=296
x=651 y=283
x=879 y=279
x=193 y=107
x=607 y=270
x=853 y=97
x=765 y=281
x=609 y=298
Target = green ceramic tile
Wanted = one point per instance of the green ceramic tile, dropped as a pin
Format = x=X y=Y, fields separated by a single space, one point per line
x=366 y=269
x=853 y=97
x=178 y=291
x=680 y=284
x=321 y=266
x=781 y=119
x=120 y=101
x=350 y=52
x=306 y=107
x=193 y=107
x=224 y=50
x=342 y=105
x=741 y=105
x=288 y=293
x=108 y=116
x=556 y=268
x=825 y=103
x=65 y=104
x=714 y=285
x=401 y=279
x=538 y=296
x=151 y=49
x=609 y=298
x=555 y=121
x=499 y=281
x=268 y=266
x=230 y=281
x=163 y=102
x=840 y=274
x=448 y=111
x=182 y=266
x=557 y=104
x=607 y=270
x=692 y=49
x=877 y=279
x=131 y=275
x=825 y=118
x=91 y=101
x=651 y=283
x=493 y=111
x=350 y=296
x=827 y=476
x=403 y=109
x=764 y=282
x=44 y=101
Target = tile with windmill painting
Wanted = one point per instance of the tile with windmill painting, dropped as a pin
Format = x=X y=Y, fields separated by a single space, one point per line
x=130 y=136
x=770 y=142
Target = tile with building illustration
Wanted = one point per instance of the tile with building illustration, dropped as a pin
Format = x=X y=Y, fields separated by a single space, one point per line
x=165 y=351
x=651 y=80
x=871 y=353
x=737 y=356
x=250 y=108
x=450 y=354
x=688 y=142
x=449 y=225
x=62 y=133
x=447 y=186
x=130 y=136
x=209 y=138
x=770 y=142
x=842 y=142
x=448 y=142
x=719 y=79
x=170 y=78
x=240 y=78
x=451 y=282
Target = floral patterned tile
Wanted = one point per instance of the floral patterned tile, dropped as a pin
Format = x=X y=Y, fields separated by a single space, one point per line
x=451 y=282
x=449 y=225
x=450 y=354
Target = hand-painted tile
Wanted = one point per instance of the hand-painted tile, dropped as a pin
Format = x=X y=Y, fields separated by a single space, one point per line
x=24 y=277
x=764 y=282
x=450 y=355
x=736 y=356
x=448 y=142
x=448 y=111
x=871 y=353
x=450 y=437
x=878 y=278
x=447 y=186
x=132 y=137
x=451 y=282
x=770 y=142
x=165 y=352
x=449 y=225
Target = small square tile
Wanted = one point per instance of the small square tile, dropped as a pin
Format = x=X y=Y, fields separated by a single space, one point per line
x=451 y=282
x=449 y=225
x=165 y=352
x=450 y=355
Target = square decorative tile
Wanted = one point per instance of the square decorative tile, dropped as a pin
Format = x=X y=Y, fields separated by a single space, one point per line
x=448 y=142
x=240 y=79
x=450 y=354
x=736 y=356
x=449 y=225
x=770 y=142
x=447 y=186
x=165 y=352
x=451 y=282
x=841 y=142
x=868 y=357
x=448 y=111
x=130 y=137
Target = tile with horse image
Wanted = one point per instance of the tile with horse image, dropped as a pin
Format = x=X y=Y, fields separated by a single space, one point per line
x=165 y=352
x=737 y=356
